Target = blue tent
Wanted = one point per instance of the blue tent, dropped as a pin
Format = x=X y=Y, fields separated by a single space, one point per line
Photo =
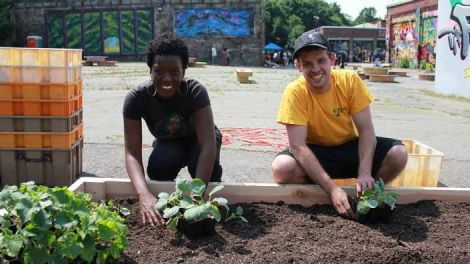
x=272 y=47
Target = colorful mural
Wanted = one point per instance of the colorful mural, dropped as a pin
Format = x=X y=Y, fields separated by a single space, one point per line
x=214 y=22
x=427 y=41
x=101 y=31
x=404 y=44
x=453 y=67
x=341 y=47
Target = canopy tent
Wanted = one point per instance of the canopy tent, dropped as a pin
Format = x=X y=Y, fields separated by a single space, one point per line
x=272 y=47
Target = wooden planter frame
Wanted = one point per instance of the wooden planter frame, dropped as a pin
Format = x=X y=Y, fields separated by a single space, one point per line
x=307 y=195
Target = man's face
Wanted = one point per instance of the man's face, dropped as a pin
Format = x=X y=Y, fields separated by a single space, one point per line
x=315 y=65
x=167 y=73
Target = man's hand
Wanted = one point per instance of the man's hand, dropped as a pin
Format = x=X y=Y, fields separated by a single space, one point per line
x=148 y=212
x=364 y=182
x=339 y=199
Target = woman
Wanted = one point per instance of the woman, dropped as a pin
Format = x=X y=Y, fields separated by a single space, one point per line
x=178 y=113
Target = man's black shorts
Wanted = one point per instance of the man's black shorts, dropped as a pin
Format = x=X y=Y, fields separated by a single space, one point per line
x=342 y=161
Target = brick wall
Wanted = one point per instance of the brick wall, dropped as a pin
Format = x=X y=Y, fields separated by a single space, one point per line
x=30 y=18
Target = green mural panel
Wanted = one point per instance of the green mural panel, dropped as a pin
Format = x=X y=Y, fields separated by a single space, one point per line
x=92 y=33
x=74 y=31
x=111 y=32
x=55 y=27
x=128 y=31
x=144 y=29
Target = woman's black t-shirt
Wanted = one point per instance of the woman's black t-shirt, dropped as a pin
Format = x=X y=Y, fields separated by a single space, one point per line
x=167 y=118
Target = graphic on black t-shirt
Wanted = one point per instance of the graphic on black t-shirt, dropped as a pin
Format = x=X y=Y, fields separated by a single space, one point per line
x=172 y=125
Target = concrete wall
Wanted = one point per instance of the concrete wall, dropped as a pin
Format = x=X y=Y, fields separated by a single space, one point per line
x=30 y=18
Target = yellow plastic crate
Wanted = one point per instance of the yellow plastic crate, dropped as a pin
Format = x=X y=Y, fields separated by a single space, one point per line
x=33 y=107
x=40 y=91
x=41 y=139
x=422 y=169
x=40 y=57
x=40 y=74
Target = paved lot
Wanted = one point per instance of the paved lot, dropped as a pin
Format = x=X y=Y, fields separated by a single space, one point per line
x=407 y=109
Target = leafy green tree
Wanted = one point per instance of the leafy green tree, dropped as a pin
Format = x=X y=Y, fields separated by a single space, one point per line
x=285 y=20
x=367 y=14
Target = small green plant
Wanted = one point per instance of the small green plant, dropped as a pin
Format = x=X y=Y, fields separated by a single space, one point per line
x=187 y=202
x=376 y=197
x=55 y=225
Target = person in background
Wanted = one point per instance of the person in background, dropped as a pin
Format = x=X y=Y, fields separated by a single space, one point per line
x=214 y=54
x=178 y=113
x=329 y=127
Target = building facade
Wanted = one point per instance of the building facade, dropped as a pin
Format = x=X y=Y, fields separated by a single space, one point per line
x=359 y=44
x=411 y=33
x=123 y=28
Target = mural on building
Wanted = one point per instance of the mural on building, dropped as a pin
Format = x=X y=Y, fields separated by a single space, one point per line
x=453 y=60
x=341 y=47
x=214 y=22
x=362 y=50
x=427 y=41
x=108 y=32
x=404 y=44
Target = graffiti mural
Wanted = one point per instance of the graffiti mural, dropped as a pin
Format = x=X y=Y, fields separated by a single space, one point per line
x=427 y=43
x=214 y=22
x=404 y=44
x=341 y=47
x=453 y=67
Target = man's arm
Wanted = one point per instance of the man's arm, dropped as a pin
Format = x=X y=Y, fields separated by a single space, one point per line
x=312 y=167
x=134 y=167
x=367 y=143
x=204 y=125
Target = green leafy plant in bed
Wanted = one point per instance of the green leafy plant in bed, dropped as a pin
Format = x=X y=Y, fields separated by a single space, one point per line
x=39 y=224
x=376 y=204
x=187 y=205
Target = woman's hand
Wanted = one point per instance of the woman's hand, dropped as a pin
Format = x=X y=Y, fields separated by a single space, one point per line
x=148 y=212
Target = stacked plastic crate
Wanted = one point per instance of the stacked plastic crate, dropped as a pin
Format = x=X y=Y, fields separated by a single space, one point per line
x=41 y=129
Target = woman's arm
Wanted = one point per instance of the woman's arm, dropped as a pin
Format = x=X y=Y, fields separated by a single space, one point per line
x=135 y=170
x=204 y=125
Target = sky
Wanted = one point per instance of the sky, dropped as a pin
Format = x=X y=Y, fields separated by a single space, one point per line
x=353 y=7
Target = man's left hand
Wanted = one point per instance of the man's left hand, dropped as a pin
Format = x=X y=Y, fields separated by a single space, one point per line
x=364 y=182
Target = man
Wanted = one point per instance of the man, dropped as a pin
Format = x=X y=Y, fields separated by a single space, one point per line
x=178 y=113
x=214 y=54
x=321 y=111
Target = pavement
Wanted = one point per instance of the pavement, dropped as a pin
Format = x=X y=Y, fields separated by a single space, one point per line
x=407 y=109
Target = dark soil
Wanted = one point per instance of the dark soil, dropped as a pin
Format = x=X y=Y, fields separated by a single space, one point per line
x=427 y=232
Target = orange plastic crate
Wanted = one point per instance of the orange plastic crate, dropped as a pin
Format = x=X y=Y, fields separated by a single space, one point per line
x=38 y=74
x=40 y=91
x=40 y=57
x=31 y=107
x=40 y=139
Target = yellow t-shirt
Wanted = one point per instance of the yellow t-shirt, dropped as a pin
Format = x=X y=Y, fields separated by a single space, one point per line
x=327 y=116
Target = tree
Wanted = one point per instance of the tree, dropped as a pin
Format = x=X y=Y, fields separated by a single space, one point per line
x=285 y=20
x=367 y=14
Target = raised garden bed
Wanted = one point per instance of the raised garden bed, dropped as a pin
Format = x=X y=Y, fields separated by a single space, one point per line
x=426 y=231
x=398 y=73
x=375 y=71
x=427 y=76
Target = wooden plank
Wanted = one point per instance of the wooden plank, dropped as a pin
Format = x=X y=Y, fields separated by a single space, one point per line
x=109 y=188
x=426 y=76
x=375 y=71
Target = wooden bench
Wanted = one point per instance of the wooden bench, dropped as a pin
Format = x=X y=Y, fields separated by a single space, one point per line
x=243 y=75
x=426 y=76
x=99 y=60
x=398 y=73
x=376 y=71
x=382 y=78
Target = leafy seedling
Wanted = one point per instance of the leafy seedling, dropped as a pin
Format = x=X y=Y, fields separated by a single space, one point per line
x=55 y=225
x=376 y=204
x=187 y=205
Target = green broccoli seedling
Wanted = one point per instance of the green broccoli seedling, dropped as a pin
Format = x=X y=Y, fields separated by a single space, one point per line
x=376 y=197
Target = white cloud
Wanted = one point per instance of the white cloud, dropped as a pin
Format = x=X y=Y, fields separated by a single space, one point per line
x=353 y=8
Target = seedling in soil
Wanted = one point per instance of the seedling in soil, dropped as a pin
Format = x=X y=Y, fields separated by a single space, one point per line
x=187 y=210
x=376 y=204
x=55 y=225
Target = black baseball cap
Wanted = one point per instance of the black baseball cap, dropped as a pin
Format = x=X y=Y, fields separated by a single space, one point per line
x=310 y=38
